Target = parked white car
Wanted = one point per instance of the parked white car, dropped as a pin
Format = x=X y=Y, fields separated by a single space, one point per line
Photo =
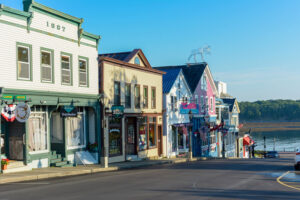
x=297 y=160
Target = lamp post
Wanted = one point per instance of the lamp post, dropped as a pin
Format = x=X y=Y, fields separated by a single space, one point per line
x=104 y=161
x=190 y=136
x=223 y=140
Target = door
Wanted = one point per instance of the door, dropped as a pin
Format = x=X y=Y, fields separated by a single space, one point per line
x=159 y=141
x=131 y=137
x=57 y=134
x=16 y=131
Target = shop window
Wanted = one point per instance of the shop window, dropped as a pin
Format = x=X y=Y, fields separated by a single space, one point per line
x=117 y=93
x=66 y=72
x=180 y=138
x=137 y=97
x=75 y=131
x=153 y=98
x=115 y=137
x=38 y=134
x=83 y=72
x=152 y=132
x=174 y=139
x=145 y=96
x=24 y=62
x=128 y=95
x=46 y=66
x=143 y=133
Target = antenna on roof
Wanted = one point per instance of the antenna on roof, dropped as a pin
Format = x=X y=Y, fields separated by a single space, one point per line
x=200 y=51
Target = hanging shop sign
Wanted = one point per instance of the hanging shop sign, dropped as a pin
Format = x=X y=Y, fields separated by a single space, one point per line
x=8 y=112
x=185 y=108
x=7 y=97
x=22 y=112
x=68 y=111
x=117 y=111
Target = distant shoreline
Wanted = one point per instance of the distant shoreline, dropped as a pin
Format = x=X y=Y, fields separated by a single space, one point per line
x=270 y=126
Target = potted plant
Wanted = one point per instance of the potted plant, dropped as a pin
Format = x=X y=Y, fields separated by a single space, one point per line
x=4 y=163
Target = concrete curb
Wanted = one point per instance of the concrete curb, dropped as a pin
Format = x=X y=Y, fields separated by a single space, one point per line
x=73 y=172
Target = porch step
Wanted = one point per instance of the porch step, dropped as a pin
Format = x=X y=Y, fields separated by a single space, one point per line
x=60 y=164
x=57 y=161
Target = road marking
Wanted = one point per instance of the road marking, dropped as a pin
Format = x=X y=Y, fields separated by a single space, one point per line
x=284 y=183
x=32 y=183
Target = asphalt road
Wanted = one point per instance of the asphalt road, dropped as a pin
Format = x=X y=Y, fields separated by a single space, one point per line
x=213 y=179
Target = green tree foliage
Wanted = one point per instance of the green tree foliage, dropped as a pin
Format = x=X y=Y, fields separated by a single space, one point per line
x=270 y=110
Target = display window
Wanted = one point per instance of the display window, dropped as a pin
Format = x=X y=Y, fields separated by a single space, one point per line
x=152 y=132
x=143 y=133
x=174 y=139
x=115 y=137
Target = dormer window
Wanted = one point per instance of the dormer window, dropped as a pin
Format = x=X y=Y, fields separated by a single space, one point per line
x=137 y=61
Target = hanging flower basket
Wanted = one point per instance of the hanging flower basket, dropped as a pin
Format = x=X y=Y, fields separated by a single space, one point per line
x=4 y=163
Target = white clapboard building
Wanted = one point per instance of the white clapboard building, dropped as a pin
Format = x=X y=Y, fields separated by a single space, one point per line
x=48 y=62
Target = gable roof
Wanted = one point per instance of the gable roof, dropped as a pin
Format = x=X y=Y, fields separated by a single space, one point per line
x=169 y=78
x=127 y=56
x=230 y=102
x=191 y=72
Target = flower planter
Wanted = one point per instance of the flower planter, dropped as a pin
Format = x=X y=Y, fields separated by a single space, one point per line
x=3 y=167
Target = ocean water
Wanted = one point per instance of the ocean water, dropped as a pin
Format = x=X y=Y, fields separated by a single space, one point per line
x=278 y=140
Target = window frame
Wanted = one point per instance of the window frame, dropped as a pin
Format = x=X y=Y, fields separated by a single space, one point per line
x=211 y=105
x=51 y=51
x=154 y=124
x=114 y=100
x=153 y=99
x=71 y=68
x=48 y=133
x=29 y=47
x=135 y=97
x=68 y=147
x=86 y=59
x=147 y=98
x=128 y=106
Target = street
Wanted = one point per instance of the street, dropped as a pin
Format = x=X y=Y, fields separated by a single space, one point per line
x=212 y=179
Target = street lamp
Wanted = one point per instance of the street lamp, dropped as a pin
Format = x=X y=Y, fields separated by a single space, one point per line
x=190 y=135
x=104 y=161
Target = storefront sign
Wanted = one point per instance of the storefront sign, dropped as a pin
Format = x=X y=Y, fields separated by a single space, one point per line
x=7 y=97
x=185 y=108
x=16 y=97
x=20 y=98
x=117 y=111
x=68 y=111
x=22 y=112
x=8 y=112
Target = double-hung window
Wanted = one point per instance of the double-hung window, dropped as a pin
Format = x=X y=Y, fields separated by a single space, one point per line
x=128 y=95
x=47 y=66
x=66 y=69
x=211 y=104
x=137 y=97
x=153 y=97
x=117 y=93
x=83 y=72
x=145 y=101
x=24 y=62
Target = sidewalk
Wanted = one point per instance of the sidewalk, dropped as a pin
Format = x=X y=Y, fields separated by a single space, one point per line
x=53 y=172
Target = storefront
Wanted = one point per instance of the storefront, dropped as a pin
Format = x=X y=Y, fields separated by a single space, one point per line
x=57 y=128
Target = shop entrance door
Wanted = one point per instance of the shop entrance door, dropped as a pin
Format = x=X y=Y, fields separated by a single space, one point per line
x=57 y=134
x=159 y=141
x=16 y=140
x=131 y=137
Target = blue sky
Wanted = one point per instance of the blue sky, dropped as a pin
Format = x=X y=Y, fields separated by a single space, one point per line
x=255 y=44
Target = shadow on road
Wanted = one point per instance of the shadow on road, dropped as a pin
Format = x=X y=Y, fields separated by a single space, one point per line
x=235 y=194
